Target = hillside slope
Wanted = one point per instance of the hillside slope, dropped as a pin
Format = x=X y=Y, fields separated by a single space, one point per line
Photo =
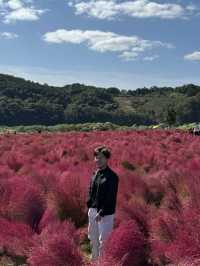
x=25 y=102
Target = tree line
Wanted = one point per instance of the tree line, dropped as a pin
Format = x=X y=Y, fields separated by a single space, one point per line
x=25 y=102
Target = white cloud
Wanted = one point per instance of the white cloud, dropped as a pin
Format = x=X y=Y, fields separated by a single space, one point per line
x=8 y=35
x=191 y=8
x=151 y=58
x=23 y=14
x=128 y=47
x=98 y=9
x=14 y=4
x=19 y=10
x=195 y=56
x=129 y=55
x=109 y=9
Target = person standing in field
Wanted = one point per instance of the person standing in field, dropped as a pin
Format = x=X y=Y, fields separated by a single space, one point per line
x=101 y=201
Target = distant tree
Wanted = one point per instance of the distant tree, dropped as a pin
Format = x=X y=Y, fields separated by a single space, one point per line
x=171 y=116
x=113 y=90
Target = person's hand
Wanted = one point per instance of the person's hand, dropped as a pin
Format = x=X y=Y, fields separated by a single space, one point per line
x=98 y=217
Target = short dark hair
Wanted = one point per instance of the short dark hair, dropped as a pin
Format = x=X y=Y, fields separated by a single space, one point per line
x=104 y=150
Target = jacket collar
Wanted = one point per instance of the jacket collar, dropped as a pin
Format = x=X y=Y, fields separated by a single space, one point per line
x=103 y=170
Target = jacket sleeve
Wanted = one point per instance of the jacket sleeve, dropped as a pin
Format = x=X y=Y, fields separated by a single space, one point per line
x=110 y=197
x=90 y=191
x=89 y=194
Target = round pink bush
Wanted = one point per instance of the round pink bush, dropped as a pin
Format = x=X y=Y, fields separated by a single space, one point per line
x=56 y=245
x=127 y=244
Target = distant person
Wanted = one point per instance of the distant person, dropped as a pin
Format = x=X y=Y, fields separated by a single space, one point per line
x=191 y=130
x=196 y=130
x=101 y=201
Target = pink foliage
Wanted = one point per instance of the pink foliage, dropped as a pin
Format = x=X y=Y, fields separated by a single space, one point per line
x=127 y=243
x=70 y=197
x=26 y=202
x=44 y=180
x=56 y=245
x=16 y=239
x=163 y=229
x=49 y=216
x=186 y=243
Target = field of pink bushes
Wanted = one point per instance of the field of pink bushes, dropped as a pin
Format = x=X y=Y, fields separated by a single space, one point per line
x=44 y=182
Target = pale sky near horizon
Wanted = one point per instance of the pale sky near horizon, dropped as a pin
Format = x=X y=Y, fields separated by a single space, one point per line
x=126 y=44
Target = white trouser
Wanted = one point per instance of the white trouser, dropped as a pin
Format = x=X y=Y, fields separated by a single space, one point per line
x=98 y=231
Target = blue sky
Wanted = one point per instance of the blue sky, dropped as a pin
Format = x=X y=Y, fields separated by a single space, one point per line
x=126 y=44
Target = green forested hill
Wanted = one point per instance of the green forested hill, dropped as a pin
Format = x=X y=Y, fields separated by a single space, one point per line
x=27 y=103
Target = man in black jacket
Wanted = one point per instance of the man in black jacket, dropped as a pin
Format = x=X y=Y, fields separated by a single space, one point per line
x=101 y=201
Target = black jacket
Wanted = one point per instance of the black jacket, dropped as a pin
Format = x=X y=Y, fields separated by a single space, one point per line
x=103 y=190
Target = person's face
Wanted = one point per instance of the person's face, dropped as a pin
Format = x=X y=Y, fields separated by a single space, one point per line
x=100 y=160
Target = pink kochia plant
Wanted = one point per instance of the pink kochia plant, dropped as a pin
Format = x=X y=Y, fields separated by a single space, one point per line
x=26 y=202
x=44 y=181
x=126 y=245
x=56 y=245
x=16 y=239
x=187 y=239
